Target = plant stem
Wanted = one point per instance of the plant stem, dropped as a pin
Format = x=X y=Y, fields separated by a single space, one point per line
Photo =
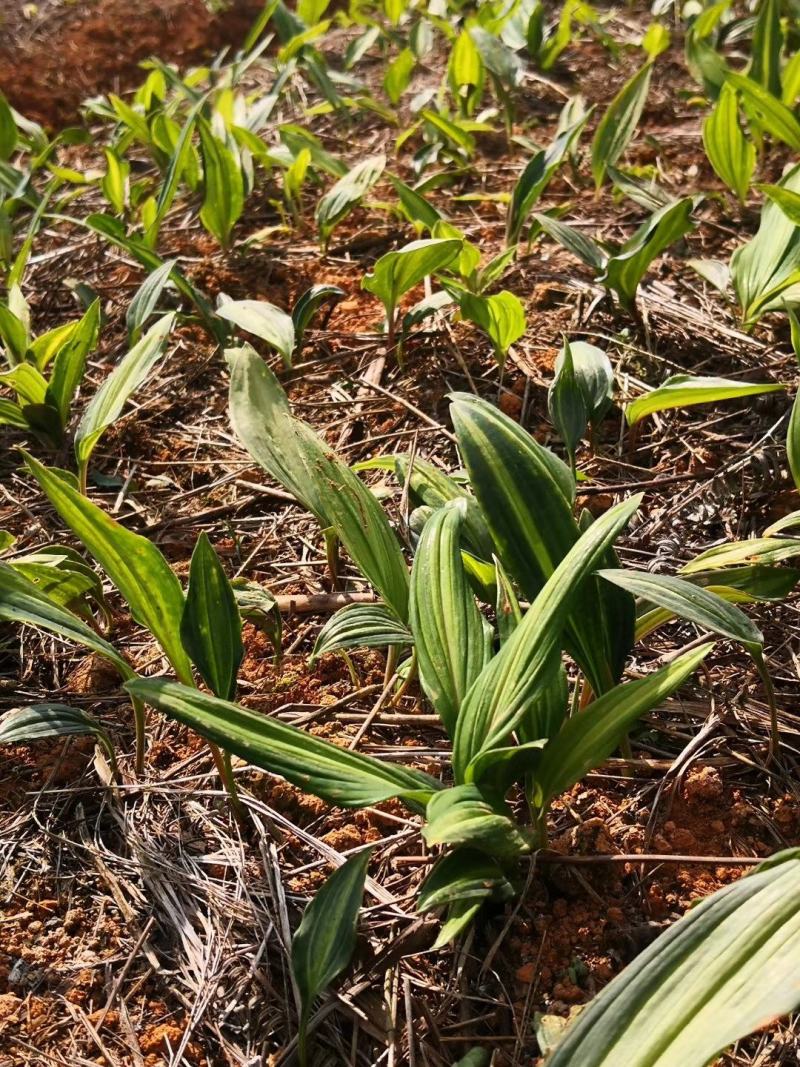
x=139 y=721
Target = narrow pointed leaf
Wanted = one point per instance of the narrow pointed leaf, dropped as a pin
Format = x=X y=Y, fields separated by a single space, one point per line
x=685 y=390
x=590 y=736
x=619 y=123
x=325 y=940
x=293 y=454
x=22 y=601
x=361 y=626
x=498 y=701
x=316 y=766
x=107 y=404
x=211 y=627
x=449 y=631
x=134 y=564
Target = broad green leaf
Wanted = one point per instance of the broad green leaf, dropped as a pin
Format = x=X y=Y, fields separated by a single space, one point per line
x=536 y=176
x=566 y=403
x=765 y=267
x=656 y=39
x=11 y=414
x=793 y=442
x=14 y=335
x=44 y=347
x=619 y=123
x=309 y=303
x=586 y=249
x=756 y=582
x=340 y=200
x=414 y=206
x=361 y=626
x=115 y=181
x=398 y=75
x=767 y=47
x=591 y=735
x=328 y=771
x=223 y=185
x=69 y=362
x=461 y=816
x=63 y=574
x=396 y=273
x=27 y=382
x=714 y=271
x=146 y=298
x=294 y=455
x=791 y=81
x=689 y=601
x=730 y=153
x=594 y=376
x=727 y=968
x=465 y=874
x=211 y=627
x=449 y=632
x=21 y=601
x=465 y=72
x=625 y=270
x=453 y=133
x=501 y=315
x=499 y=699
x=685 y=390
x=459 y=915
x=107 y=404
x=8 y=130
x=22 y=726
x=756 y=550
x=134 y=564
x=526 y=494
x=325 y=940
x=775 y=117
x=786 y=199
x=265 y=321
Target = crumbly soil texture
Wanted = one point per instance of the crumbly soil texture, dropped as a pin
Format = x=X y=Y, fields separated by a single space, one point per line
x=141 y=925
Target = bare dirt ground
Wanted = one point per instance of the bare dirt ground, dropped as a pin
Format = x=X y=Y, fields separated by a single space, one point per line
x=141 y=925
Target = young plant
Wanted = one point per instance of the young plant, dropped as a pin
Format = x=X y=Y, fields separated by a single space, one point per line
x=44 y=373
x=298 y=459
x=501 y=316
x=580 y=393
x=621 y=269
x=766 y=270
x=398 y=272
x=108 y=402
x=729 y=152
x=325 y=940
x=341 y=198
x=284 y=333
x=223 y=184
x=536 y=176
x=619 y=123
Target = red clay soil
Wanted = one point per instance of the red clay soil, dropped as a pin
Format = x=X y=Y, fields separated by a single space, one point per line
x=61 y=55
